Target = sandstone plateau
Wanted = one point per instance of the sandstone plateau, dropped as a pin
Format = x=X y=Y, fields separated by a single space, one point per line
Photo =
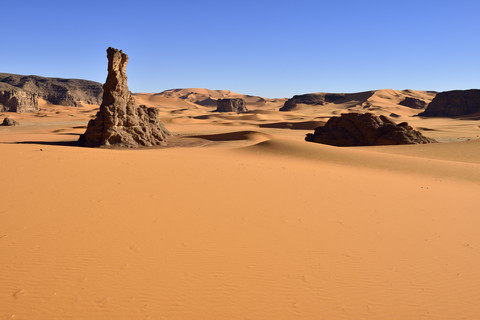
x=121 y=122
x=27 y=89
x=367 y=129
x=453 y=104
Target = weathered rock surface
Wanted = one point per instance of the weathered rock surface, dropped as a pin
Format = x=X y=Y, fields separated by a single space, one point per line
x=120 y=122
x=231 y=105
x=413 y=103
x=365 y=129
x=9 y=122
x=65 y=92
x=453 y=104
x=323 y=98
x=13 y=99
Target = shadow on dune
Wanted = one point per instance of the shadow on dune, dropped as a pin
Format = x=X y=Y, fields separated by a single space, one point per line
x=51 y=143
x=304 y=125
x=231 y=136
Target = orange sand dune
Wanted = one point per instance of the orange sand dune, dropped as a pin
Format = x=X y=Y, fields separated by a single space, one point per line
x=239 y=218
x=202 y=98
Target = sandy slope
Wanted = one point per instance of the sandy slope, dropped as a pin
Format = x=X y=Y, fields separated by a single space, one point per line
x=238 y=220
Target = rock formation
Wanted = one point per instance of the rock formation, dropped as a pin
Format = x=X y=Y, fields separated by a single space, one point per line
x=13 y=99
x=65 y=92
x=365 y=129
x=413 y=103
x=324 y=98
x=453 y=104
x=231 y=105
x=9 y=122
x=120 y=122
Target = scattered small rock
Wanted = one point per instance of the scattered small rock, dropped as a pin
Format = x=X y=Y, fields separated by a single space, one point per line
x=10 y=122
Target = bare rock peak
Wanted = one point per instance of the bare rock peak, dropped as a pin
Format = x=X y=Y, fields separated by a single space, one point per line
x=121 y=122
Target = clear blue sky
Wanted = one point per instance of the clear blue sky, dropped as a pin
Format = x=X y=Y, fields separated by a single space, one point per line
x=268 y=48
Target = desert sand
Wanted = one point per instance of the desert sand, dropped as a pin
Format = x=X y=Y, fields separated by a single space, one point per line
x=239 y=218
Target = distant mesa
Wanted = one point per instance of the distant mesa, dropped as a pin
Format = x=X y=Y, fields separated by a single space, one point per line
x=453 y=104
x=13 y=99
x=311 y=99
x=121 y=122
x=9 y=122
x=413 y=103
x=322 y=98
x=231 y=105
x=27 y=90
x=365 y=129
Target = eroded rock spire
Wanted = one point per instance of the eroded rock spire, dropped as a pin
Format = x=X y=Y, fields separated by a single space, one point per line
x=121 y=122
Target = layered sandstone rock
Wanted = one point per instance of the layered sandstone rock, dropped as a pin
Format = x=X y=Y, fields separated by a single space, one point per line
x=13 y=99
x=231 y=105
x=453 y=104
x=120 y=122
x=365 y=129
x=65 y=92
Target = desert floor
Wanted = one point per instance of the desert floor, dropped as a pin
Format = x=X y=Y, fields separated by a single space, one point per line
x=239 y=218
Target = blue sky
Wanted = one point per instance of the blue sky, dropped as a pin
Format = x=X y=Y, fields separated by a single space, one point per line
x=268 y=48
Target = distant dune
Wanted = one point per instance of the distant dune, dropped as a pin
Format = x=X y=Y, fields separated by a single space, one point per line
x=196 y=97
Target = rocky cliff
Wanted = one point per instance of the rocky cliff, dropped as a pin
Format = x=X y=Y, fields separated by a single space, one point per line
x=14 y=99
x=453 y=104
x=65 y=92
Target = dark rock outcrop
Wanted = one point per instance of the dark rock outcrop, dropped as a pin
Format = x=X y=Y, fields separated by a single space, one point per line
x=453 y=104
x=9 y=122
x=231 y=105
x=413 y=103
x=324 y=98
x=65 y=92
x=311 y=99
x=13 y=99
x=365 y=129
x=120 y=122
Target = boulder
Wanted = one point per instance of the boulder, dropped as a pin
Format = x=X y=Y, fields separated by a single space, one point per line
x=231 y=105
x=413 y=103
x=365 y=129
x=9 y=122
x=453 y=104
x=13 y=99
x=121 y=122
